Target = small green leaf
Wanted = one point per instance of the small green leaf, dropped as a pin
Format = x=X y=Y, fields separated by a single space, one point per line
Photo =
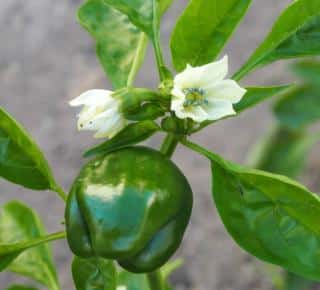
x=255 y=95
x=295 y=34
x=271 y=216
x=20 y=287
x=21 y=160
x=132 y=134
x=283 y=151
x=203 y=29
x=95 y=273
x=298 y=107
x=20 y=229
x=119 y=43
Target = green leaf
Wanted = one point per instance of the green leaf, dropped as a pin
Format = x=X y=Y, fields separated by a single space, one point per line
x=294 y=34
x=255 y=95
x=283 y=151
x=120 y=45
x=294 y=282
x=203 y=30
x=95 y=273
x=298 y=107
x=20 y=287
x=140 y=12
x=132 y=134
x=309 y=70
x=20 y=229
x=271 y=216
x=21 y=160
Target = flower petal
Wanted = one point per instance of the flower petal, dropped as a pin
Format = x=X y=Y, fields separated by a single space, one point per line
x=177 y=104
x=95 y=120
x=195 y=113
x=93 y=98
x=225 y=90
x=178 y=93
x=189 y=78
x=87 y=114
x=200 y=76
x=111 y=127
x=218 y=109
x=214 y=72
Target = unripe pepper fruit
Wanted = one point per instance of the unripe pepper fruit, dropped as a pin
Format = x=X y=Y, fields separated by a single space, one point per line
x=132 y=205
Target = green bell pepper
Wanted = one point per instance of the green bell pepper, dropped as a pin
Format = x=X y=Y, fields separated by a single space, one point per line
x=132 y=205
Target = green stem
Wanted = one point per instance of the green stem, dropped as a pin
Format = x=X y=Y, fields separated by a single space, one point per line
x=138 y=59
x=159 y=59
x=169 y=145
x=53 y=237
x=156 y=42
x=60 y=192
x=245 y=70
x=155 y=280
x=37 y=241
x=239 y=75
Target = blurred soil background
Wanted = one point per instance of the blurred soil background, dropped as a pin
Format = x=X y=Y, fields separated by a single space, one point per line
x=46 y=59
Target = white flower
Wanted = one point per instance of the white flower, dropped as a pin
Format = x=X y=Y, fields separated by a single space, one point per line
x=101 y=113
x=202 y=93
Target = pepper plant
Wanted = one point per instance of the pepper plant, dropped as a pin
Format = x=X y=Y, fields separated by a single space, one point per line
x=127 y=211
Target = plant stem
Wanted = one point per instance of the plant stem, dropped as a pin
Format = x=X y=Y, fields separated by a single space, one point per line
x=54 y=237
x=60 y=192
x=159 y=58
x=241 y=74
x=38 y=241
x=155 y=280
x=156 y=42
x=139 y=56
x=169 y=145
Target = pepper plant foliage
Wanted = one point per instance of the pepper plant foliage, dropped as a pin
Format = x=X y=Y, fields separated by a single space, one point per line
x=124 y=225
x=285 y=148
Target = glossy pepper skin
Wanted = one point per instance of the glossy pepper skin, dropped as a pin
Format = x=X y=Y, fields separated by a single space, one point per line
x=132 y=205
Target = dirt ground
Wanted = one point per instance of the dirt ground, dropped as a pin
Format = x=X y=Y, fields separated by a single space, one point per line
x=46 y=59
